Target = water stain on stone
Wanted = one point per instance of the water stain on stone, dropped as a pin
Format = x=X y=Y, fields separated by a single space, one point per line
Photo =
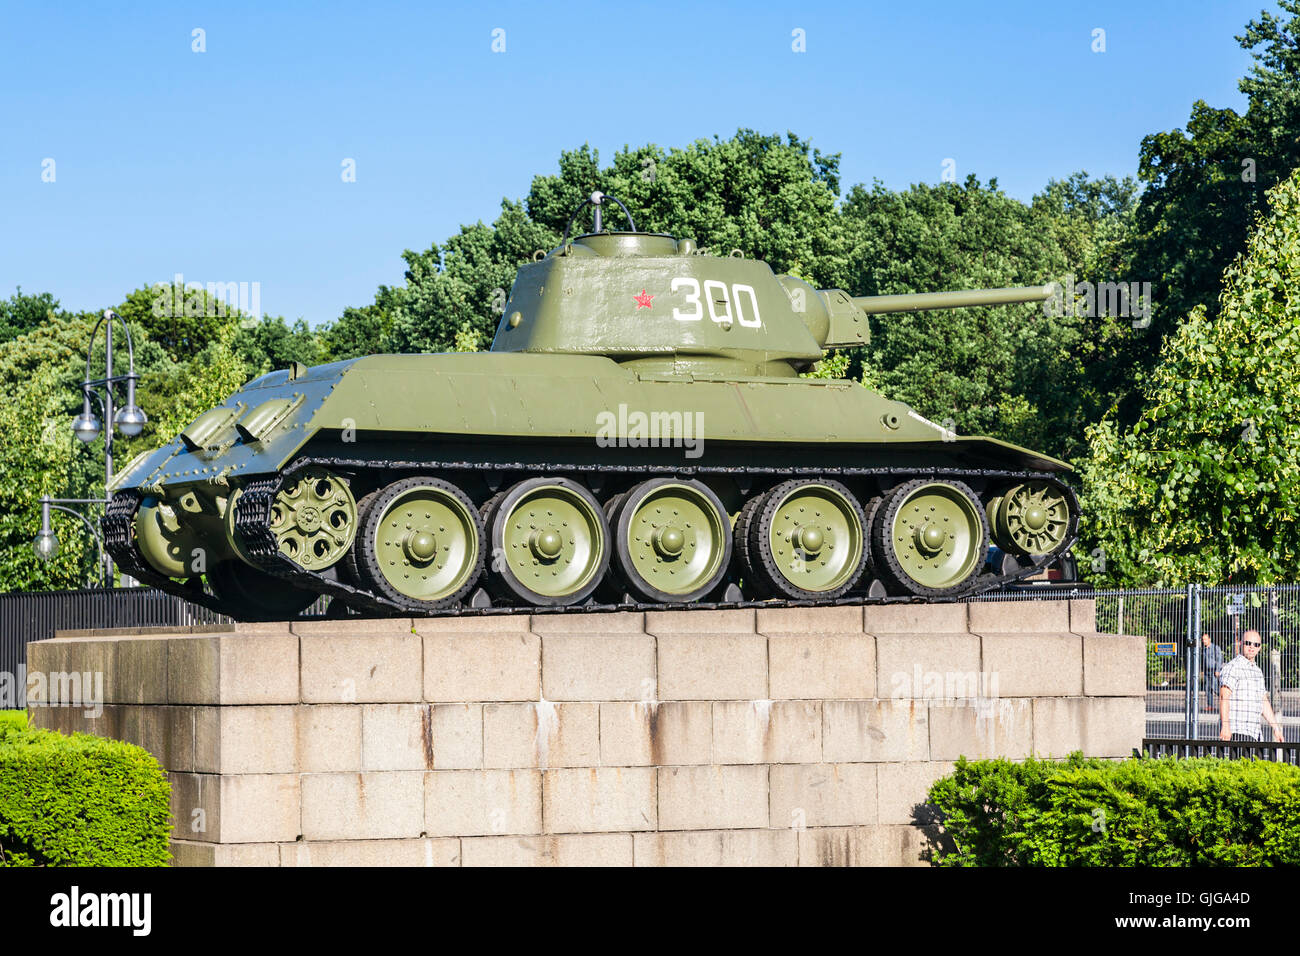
x=426 y=734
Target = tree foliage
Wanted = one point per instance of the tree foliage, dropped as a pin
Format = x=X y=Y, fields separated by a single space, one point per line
x=1206 y=185
x=1206 y=485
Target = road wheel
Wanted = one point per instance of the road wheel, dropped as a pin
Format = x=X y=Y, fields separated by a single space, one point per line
x=550 y=542
x=672 y=540
x=420 y=543
x=807 y=540
x=930 y=538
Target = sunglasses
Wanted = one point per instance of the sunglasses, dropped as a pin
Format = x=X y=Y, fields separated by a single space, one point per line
x=1253 y=643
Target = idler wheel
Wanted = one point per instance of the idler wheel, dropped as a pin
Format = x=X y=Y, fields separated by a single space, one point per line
x=549 y=540
x=929 y=538
x=806 y=540
x=420 y=543
x=672 y=540
x=253 y=595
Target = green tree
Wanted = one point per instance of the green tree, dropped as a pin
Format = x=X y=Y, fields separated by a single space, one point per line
x=19 y=314
x=1206 y=185
x=769 y=196
x=183 y=321
x=271 y=343
x=1012 y=371
x=1206 y=485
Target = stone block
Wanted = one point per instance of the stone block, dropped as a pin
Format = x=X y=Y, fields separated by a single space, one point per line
x=595 y=666
x=396 y=737
x=362 y=806
x=361 y=665
x=875 y=730
x=570 y=849
x=1033 y=665
x=690 y=621
x=978 y=729
x=329 y=738
x=881 y=845
x=137 y=673
x=166 y=732
x=845 y=619
x=927 y=666
x=497 y=665
x=1007 y=617
x=244 y=808
x=641 y=733
x=713 y=797
x=482 y=802
x=258 y=739
x=823 y=795
x=479 y=625
x=599 y=799
x=408 y=853
x=767 y=731
x=187 y=853
x=717 y=848
x=1114 y=665
x=233 y=669
x=1083 y=615
x=594 y=625
x=695 y=666
x=903 y=788
x=811 y=666
x=541 y=734
x=916 y=618
x=1099 y=726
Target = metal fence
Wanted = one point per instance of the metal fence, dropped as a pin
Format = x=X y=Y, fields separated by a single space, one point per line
x=1181 y=699
x=35 y=616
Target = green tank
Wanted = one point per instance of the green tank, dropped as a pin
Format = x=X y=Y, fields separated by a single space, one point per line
x=639 y=434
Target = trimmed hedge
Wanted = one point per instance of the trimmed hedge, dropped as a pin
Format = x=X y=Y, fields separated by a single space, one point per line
x=13 y=719
x=80 y=801
x=1135 y=812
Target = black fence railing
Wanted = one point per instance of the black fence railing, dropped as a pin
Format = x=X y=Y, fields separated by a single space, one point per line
x=35 y=616
x=1224 y=749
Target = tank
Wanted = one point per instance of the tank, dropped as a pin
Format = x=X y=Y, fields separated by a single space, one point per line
x=638 y=435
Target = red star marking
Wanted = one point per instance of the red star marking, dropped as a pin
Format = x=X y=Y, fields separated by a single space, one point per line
x=643 y=300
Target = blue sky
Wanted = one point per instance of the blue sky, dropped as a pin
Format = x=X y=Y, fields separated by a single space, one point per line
x=225 y=165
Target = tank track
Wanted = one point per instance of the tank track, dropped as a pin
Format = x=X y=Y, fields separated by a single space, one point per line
x=253 y=527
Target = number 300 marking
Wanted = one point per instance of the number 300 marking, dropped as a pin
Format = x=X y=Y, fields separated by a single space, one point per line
x=717 y=297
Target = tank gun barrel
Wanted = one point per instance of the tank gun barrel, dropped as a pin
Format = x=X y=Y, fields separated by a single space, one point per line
x=921 y=301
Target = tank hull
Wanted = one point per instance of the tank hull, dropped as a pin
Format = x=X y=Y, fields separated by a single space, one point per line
x=484 y=422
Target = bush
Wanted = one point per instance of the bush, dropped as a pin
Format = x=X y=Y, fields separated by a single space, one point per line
x=80 y=801
x=1136 y=812
x=13 y=719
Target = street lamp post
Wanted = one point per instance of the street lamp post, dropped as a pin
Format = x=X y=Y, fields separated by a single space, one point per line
x=129 y=419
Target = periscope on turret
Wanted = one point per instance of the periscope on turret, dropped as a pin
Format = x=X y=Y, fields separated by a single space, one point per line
x=638 y=434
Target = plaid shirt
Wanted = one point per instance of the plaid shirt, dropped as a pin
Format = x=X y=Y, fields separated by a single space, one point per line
x=1246 y=681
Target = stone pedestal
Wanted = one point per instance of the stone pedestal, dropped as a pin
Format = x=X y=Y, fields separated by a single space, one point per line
x=772 y=737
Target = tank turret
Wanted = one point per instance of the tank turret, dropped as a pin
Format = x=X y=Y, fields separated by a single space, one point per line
x=638 y=435
x=607 y=293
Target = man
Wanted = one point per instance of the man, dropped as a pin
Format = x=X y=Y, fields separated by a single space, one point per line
x=1242 y=697
x=1211 y=668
